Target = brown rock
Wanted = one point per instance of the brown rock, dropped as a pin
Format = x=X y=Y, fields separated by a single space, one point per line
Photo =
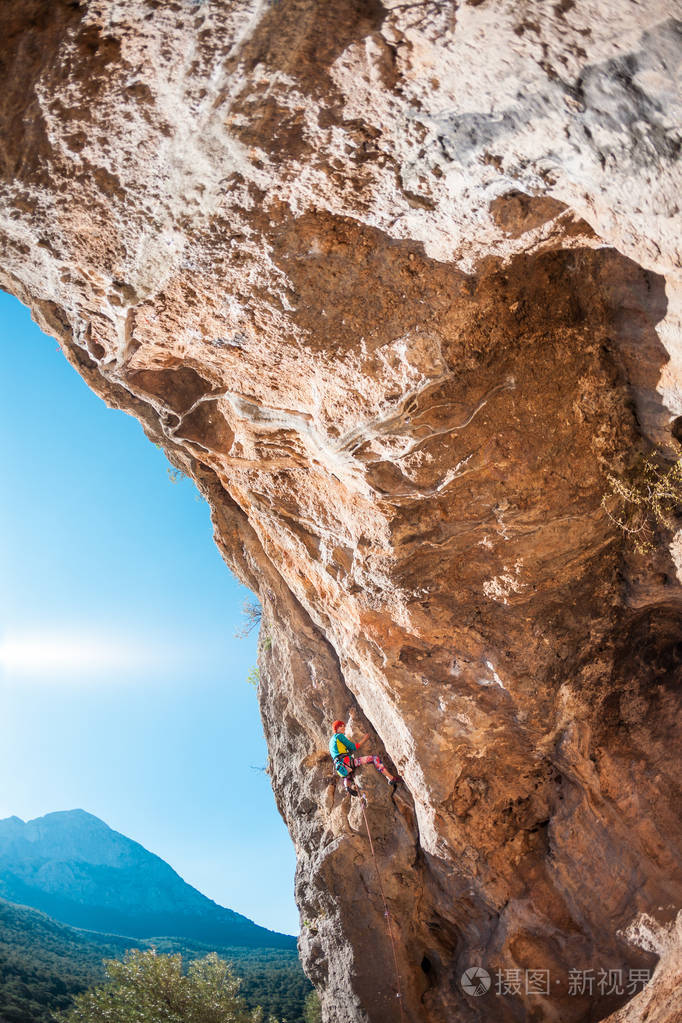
x=396 y=284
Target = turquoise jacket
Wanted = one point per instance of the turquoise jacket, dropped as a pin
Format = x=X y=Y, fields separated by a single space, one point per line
x=339 y=745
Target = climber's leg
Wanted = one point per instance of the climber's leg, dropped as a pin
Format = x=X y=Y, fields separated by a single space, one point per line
x=348 y=783
x=378 y=763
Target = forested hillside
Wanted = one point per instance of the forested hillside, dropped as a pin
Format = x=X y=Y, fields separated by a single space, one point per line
x=43 y=964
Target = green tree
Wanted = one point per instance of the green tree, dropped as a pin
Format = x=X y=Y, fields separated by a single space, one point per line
x=146 y=987
x=312 y=1010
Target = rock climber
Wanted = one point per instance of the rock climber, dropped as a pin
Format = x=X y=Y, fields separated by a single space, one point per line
x=343 y=751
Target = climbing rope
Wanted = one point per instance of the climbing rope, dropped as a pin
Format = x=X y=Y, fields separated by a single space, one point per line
x=386 y=912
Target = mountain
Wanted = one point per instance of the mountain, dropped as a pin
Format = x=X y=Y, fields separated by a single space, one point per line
x=44 y=964
x=75 y=868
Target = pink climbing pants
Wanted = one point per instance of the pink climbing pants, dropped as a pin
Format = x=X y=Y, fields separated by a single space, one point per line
x=358 y=762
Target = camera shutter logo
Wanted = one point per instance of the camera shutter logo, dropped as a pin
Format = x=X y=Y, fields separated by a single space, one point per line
x=475 y=981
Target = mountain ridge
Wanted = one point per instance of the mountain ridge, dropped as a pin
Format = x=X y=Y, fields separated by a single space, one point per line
x=71 y=865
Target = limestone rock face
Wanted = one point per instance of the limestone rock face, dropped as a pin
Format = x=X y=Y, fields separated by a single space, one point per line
x=398 y=285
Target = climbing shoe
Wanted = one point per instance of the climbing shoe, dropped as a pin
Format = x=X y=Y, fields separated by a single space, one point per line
x=396 y=781
x=352 y=791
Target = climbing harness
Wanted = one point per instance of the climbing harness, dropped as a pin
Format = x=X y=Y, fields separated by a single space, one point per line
x=343 y=763
x=399 y=995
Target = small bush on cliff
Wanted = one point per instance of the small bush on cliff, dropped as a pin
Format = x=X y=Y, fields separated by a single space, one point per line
x=645 y=499
x=252 y=614
x=176 y=475
x=151 y=988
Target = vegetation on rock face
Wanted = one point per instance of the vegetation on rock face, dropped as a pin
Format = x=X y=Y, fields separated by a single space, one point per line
x=152 y=988
x=175 y=475
x=645 y=499
x=252 y=614
x=253 y=677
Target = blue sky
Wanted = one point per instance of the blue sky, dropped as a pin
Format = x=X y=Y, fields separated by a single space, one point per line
x=122 y=687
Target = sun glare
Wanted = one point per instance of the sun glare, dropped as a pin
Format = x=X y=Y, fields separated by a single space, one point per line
x=54 y=656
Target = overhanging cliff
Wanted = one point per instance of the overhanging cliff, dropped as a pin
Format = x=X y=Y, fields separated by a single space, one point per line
x=398 y=285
